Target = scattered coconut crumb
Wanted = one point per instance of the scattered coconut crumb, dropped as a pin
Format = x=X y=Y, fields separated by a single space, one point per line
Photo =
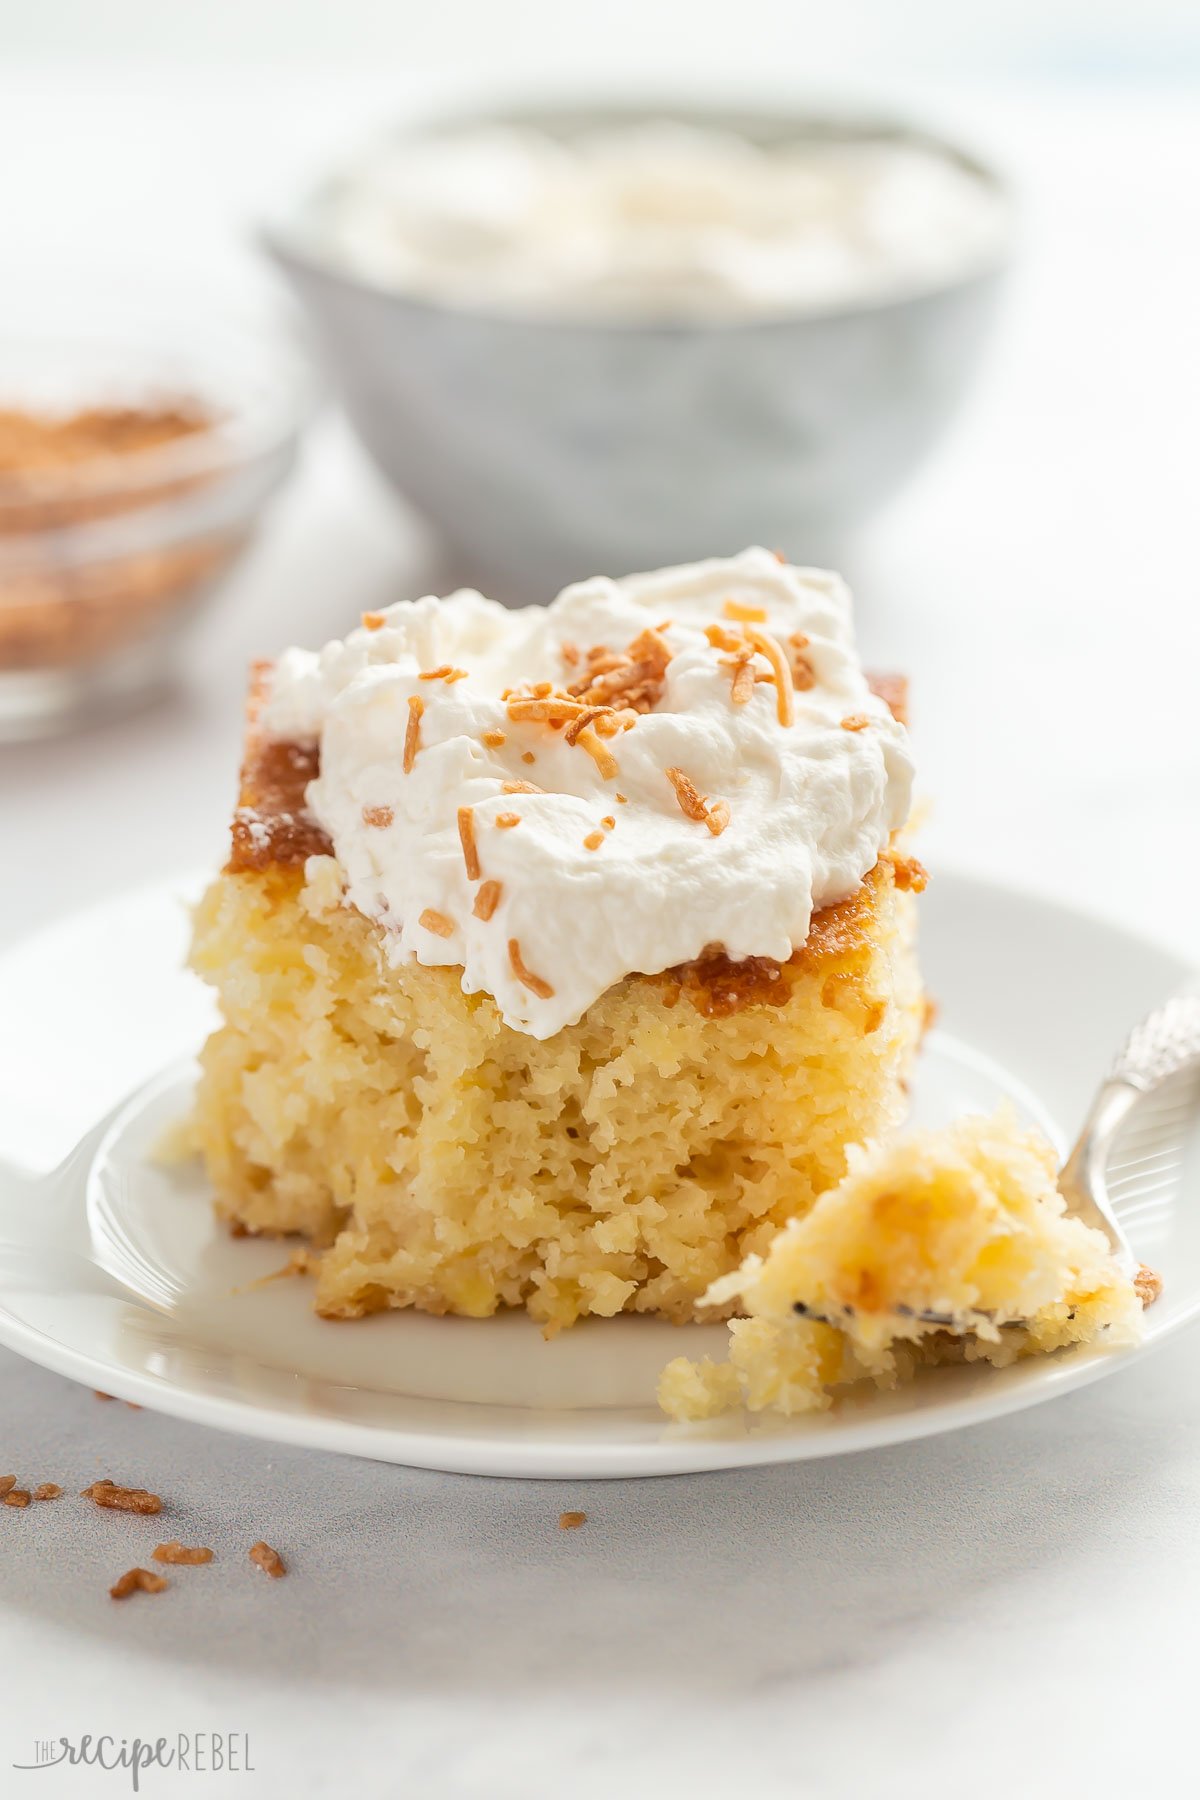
x=378 y=816
x=122 y=1499
x=855 y=722
x=268 y=1560
x=175 y=1552
x=593 y=840
x=138 y=1581
x=373 y=621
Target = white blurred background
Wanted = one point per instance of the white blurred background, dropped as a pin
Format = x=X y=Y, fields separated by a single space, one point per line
x=1038 y=576
x=799 y=39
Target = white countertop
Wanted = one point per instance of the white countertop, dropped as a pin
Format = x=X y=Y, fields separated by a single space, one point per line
x=1010 y=1609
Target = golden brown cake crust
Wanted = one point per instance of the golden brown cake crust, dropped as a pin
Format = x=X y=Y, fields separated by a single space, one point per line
x=272 y=827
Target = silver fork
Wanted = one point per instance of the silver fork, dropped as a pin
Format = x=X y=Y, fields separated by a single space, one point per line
x=1165 y=1044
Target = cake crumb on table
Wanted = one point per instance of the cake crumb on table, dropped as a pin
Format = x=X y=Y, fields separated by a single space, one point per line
x=138 y=1581
x=122 y=1499
x=7 y=1484
x=18 y=1497
x=571 y=1521
x=47 y=1490
x=268 y=1560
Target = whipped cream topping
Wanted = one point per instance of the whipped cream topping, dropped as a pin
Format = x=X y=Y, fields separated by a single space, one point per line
x=659 y=220
x=741 y=775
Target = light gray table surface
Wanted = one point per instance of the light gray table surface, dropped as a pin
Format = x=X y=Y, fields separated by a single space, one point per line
x=1008 y=1610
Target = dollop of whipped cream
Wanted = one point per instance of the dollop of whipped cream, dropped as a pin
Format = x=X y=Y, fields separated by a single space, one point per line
x=659 y=219
x=721 y=770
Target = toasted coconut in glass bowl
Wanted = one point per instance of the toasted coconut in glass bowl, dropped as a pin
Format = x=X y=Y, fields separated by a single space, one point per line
x=138 y=447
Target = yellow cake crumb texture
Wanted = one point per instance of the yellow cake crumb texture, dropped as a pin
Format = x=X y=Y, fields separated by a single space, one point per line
x=965 y=1223
x=445 y=1162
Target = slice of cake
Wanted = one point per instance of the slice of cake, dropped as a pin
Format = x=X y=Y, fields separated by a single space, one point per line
x=561 y=952
x=942 y=1246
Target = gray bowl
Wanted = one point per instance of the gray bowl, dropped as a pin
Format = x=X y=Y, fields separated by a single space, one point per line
x=544 y=450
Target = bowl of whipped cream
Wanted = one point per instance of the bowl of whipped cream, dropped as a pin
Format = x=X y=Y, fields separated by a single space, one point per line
x=621 y=338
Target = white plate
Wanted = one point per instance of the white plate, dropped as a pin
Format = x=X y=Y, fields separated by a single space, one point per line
x=113 y=1272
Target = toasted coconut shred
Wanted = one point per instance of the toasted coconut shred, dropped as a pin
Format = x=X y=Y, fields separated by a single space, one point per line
x=466 y=835
x=437 y=922
x=525 y=976
x=268 y=1560
x=487 y=899
x=603 y=758
x=695 y=805
x=412 y=736
x=122 y=1499
x=769 y=647
x=175 y=1552
x=138 y=1581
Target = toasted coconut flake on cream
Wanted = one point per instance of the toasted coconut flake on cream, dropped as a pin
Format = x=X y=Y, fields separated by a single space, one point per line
x=412 y=735
x=487 y=899
x=769 y=647
x=436 y=922
x=692 y=803
x=466 y=837
x=603 y=758
x=651 y=678
x=525 y=976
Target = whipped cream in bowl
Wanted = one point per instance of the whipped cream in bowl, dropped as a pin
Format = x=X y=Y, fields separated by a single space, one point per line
x=554 y=798
x=660 y=219
x=609 y=338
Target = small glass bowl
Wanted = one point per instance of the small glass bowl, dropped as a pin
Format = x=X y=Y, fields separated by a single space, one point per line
x=104 y=559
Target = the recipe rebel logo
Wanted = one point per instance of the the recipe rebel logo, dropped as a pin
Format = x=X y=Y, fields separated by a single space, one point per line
x=189 y=1753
